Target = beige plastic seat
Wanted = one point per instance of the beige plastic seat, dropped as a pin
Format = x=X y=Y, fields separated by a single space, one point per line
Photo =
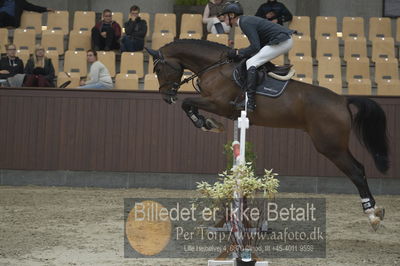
x=355 y=47
x=127 y=82
x=219 y=38
x=31 y=20
x=165 y=23
x=301 y=48
x=151 y=82
x=24 y=55
x=325 y=26
x=327 y=47
x=192 y=23
x=330 y=74
x=145 y=16
x=386 y=71
x=80 y=40
x=53 y=40
x=64 y=77
x=190 y=36
x=301 y=24
x=398 y=29
x=304 y=69
x=3 y=40
x=161 y=39
x=54 y=56
x=382 y=48
x=75 y=62
x=353 y=27
x=132 y=63
x=58 y=20
x=25 y=39
x=108 y=59
x=118 y=17
x=389 y=88
x=379 y=28
x=358 y=76
x=241 y=41
x=84 y=20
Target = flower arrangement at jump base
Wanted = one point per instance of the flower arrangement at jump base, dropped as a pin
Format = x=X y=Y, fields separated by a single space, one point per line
x=241 y=181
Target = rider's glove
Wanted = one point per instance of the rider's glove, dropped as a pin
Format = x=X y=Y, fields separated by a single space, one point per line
x=234 y=55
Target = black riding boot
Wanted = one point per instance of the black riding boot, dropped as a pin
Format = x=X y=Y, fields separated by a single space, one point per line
x=251 y=88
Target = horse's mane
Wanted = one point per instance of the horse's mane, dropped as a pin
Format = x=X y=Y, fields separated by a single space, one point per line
x=206 y=43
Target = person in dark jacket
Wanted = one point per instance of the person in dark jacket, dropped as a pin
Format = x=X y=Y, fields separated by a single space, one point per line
x=267 y=41
x=274 y=11
x=11 y=65
x=106 y=33
x=135 y=30
x=11 y=11
x=39 y=70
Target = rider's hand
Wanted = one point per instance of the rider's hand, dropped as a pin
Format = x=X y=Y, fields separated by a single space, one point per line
x=233 y=54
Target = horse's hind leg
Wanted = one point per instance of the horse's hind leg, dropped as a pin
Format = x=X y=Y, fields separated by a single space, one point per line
x=191 y=107
x=335 y=148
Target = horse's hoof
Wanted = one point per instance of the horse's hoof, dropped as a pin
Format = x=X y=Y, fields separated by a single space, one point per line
x=375 y=223
x=379 y=212
x=214 y=125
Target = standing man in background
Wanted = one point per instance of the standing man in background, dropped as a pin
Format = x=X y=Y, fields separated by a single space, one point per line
x=11 y=11
x=274 y=11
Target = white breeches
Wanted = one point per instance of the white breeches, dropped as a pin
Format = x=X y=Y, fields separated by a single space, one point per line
x=269 y=52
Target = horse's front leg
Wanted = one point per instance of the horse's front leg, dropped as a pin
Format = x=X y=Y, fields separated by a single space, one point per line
x=191 y=107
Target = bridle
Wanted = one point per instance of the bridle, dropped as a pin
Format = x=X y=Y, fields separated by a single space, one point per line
x=174 y=86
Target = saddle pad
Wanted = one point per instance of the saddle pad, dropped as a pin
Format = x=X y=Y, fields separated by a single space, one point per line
x=271 y=87
x=267 y=87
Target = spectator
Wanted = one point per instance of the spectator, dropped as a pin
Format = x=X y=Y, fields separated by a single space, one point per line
x=11 y=11
x=274 y=11
x=135 y=30
x=106 y=33
x=12 y=68
x=39 y=70
x=99 y=76
x=215 y=22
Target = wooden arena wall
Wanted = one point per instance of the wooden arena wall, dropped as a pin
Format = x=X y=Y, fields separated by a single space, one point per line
x=54 y=129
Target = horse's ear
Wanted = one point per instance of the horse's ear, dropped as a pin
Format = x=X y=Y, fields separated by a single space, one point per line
x=153 y=53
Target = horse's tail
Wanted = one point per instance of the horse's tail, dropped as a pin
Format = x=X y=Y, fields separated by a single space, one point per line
x=370 y=127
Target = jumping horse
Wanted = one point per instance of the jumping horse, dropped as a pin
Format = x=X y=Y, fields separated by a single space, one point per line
x=323 y=114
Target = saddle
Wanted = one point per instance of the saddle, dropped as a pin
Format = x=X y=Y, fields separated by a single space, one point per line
x=271 y=81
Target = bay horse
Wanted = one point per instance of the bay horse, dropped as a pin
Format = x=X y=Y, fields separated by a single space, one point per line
x=323 y=114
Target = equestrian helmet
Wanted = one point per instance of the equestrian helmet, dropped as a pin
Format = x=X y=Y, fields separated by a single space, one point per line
x=232 y=7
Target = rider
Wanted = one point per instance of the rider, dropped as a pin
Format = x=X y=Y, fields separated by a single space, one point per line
x=267 y=41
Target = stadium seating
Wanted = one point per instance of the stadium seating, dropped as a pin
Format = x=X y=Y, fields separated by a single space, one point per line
x=119 y=18
x=301 y=47
x=327 y=47
x=3 y=39
x=391 y=88
x=53 y=40
x=304 y=69
x=75 y=62
x=158 y=39
x=165 y=23
x=353 y=27
x=192 y=23
x=24 y=55
x=80 y=40
x=151 y=82
x=132 y=63
x=330 y=74
x=219 y=38
x=358 y=77
x=64 y=77
x=355 y=47
x=84 y=20
x=58 y=20
x=386 y=71
x=241 y=41
x=189 y=36
x=382 y=48
x=54 y=56
x=25 y=39
x=325 y=26
x=379 y=28
x=301 y=24
x=31 y=20
x=127 y=82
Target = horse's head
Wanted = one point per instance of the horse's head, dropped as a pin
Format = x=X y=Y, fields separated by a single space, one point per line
x=169 y=73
